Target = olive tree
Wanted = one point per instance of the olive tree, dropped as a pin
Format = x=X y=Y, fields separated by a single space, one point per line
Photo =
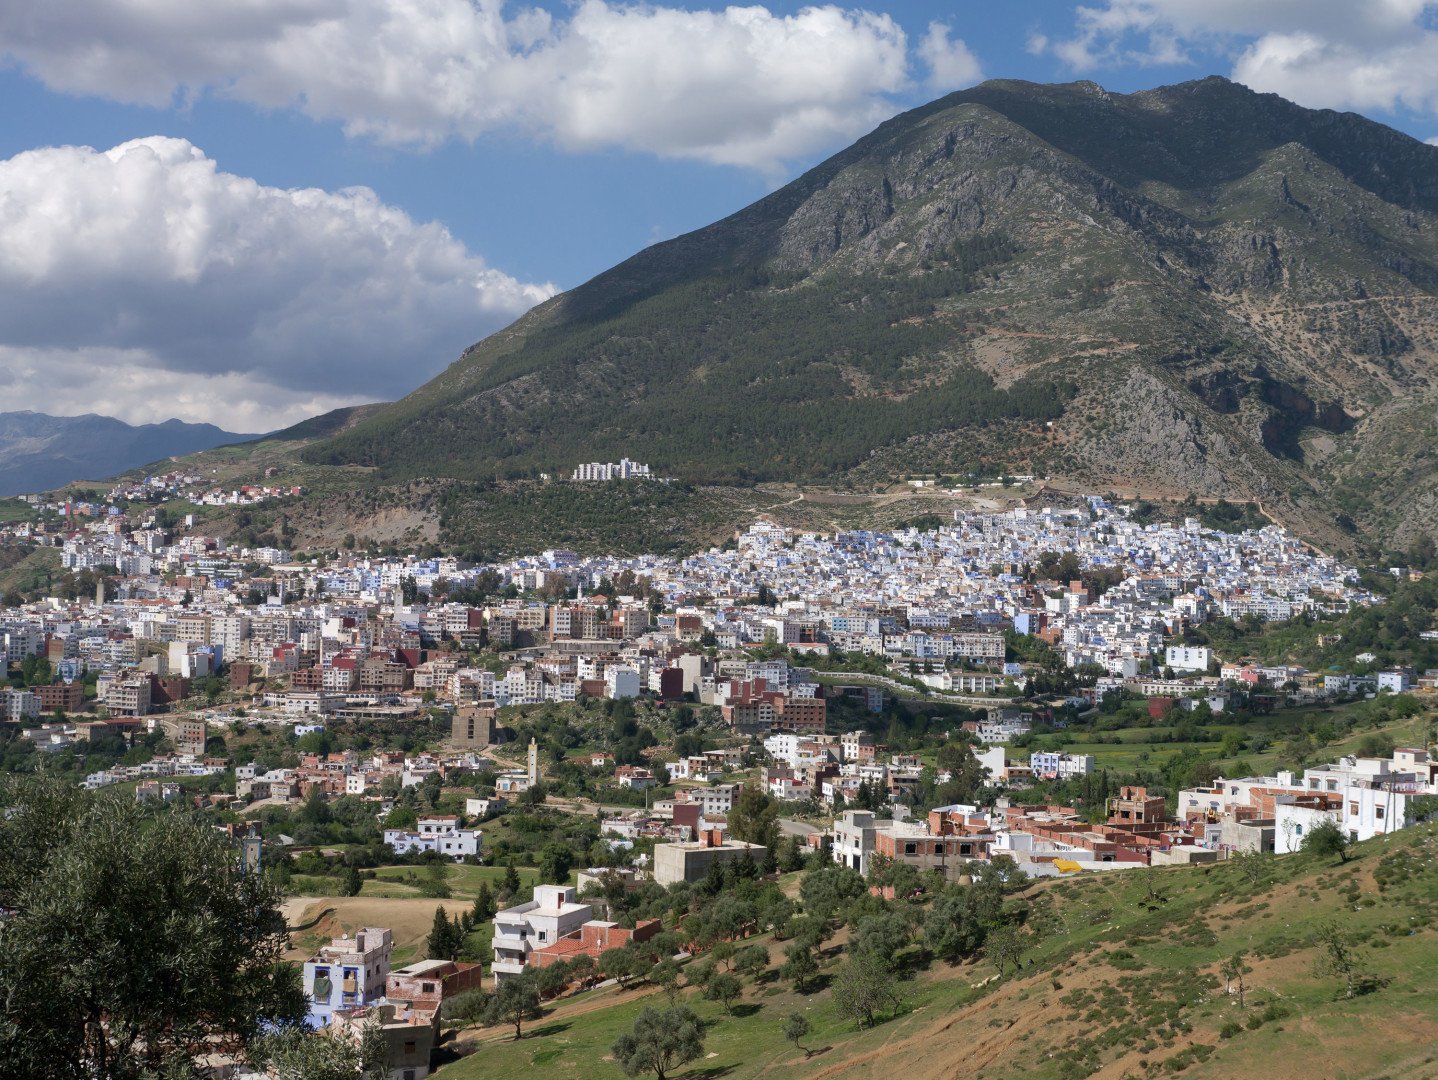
x=137 y=942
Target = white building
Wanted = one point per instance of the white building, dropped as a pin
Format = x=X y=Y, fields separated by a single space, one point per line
x=519 y=930
x=1188 y=657
x=437 y=832
x=623 y=469
x=714 y=801
x=854 y=840
x=1395 y=682
x=1060 y=766
x=621 y=682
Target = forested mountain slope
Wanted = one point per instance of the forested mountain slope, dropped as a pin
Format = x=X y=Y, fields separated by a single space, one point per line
x=1201 y=289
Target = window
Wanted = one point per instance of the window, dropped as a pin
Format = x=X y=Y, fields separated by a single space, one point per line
x=409 y=1047
x=426 y=988
x=1352 y=809
x=910 y=849
x=1378 y=813
x=541 y=934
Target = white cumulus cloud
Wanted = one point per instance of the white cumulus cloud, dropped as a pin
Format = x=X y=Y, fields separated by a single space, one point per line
x=1359 y=54
x=144 y=282
x=951 y=63
x=737 y=86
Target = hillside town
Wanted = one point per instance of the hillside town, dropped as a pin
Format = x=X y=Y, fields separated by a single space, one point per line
x=656 y=700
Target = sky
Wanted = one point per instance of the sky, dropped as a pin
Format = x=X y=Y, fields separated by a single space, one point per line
x=247 y=212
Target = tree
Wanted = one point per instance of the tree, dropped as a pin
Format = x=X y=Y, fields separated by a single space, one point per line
x=665 y=975
x=827 y=889
x=552 y=979
x=1335 y=957
x=958 y=922
x=1006 y=946
x=799 y=965
x=754 y=817
x=484 y=906
x=92 y=982
x=620 y=964
x=445 y=937
x=753 y=961
x=967 y=777
x=661 y=1040
x=882 y=936
x=582 y=969
x=555 y=861
x=352 y=882
x=796 y=1026
x=514 y=1001
x=862 y=987
x=699 y=974
x=510 y=886
x=1326 y=838
x=466 y=1008
x=297 y=1053
x=726 y=988
x=1252 y=866
x=1233 y=970
x=723 y=953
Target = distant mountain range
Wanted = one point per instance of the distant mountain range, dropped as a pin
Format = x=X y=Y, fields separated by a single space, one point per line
x=40 y=452
x=1190 y=290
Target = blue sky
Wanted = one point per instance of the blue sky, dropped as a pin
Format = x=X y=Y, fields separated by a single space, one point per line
x=289 y=205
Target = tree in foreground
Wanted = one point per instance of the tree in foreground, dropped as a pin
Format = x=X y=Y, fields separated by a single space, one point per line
x=659 y=1042
x=1326 y=838
x=136 y=942
x=514 y=1001
x=862 y=987
x=296 y=1053
x=796 y=1026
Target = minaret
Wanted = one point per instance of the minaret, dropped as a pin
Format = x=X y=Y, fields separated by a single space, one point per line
x=533 y=762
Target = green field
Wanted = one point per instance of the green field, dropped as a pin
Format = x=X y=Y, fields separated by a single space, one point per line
x=392 y=882
x=1150 y=748
x=15 y=510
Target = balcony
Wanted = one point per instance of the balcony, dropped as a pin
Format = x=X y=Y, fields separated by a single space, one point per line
x=506 y=966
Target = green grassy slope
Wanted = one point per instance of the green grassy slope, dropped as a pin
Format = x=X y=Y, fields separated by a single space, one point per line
x=1124 y=981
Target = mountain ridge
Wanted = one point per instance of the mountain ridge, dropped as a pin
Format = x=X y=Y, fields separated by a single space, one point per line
x=39 y=452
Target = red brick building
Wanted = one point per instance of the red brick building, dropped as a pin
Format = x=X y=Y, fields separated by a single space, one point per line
x=591 y=939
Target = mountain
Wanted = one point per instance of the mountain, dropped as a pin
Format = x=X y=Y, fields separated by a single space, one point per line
x=40 y=452
x=1190 y=290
